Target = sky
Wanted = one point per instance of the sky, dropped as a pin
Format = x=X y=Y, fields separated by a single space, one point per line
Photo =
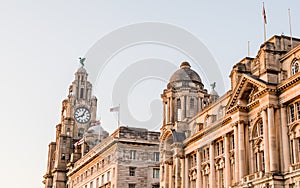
x=40 y=42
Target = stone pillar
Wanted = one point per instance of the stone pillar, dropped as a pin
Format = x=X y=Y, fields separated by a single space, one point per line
x=182 y=172
x=272 y=141
x=186 y=172
x=294 y=148
x=236 y=155
x=285 y=140
x=266 y=141
x=171 y=180
x=187 y=106
x=227 y=161
x=212 y=175
x=199 y=175
x=177 y=172
x=166 y=175
x=241 y=144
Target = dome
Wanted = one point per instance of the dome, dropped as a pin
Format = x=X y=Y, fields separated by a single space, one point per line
x=185 y=73
x=81 y=70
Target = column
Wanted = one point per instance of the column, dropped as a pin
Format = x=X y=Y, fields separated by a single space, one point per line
x=171 y=180
x=266 y=140
x=285 y=139
x=294 y=148
x=186 y=172
x=212 y=174
x=182 y=172
x=236 y=155
x=241 y=144
x=187 y=106
x=227 y=161
x=199 y=175
x=272 y=141
x=177 y=172
x=166 y=175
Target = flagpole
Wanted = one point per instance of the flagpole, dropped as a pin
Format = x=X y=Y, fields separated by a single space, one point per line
x=248 y=48
x=290 y=23
x=265 y=22
x=119 y=116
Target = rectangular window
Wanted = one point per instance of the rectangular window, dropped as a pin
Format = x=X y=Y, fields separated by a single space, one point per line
x=298 y=110
x=91 y=185
x=102 y=179
x=232 y=142
x=81 y=92
x=97 y=182
x=102 y=163
x=131 y=171
x=291 y=113
x=92 y=170
x=156 y=173
x=132 y=154
x=108 y=176
x=131 y=185
x=156 y=156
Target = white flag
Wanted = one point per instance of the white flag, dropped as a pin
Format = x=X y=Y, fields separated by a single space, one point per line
x=115 y=109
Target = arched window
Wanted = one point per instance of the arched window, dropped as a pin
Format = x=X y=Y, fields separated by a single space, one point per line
x=178 y=110
x=257 y=146
x=192 y=103
x=258 y=129
x=295 y=67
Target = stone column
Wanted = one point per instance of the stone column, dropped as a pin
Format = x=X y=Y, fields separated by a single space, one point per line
x=182 y=172
x=166 y=175
x=285 y=139
x=171 y=180
x=272 y=141
x=212 y=175
x=187 y=106
x=266 y=141
x=186 y=172
x=177 y=172
x=227 y=162
x=236 y=155
x=241 y=144
x=294 y=148
x=199 y=175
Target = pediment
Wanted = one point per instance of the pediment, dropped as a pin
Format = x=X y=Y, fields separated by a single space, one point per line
x=246 y=91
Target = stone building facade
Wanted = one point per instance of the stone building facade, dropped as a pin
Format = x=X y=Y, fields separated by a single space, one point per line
x=249 y=137
x=84 y=155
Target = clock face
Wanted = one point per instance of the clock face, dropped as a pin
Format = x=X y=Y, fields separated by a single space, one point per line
x=82 y=115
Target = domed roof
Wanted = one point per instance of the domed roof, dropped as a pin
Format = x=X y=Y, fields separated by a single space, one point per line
x=81 y=70
x=185 y=73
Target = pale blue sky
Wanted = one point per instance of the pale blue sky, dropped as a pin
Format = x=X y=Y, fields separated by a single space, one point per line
x=40 y=42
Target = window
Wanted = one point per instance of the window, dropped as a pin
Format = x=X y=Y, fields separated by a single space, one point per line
x=192 y=103
x=295 y=67
x=102 y=179
x=91 y=185
x=64 y=145
x=131 y=185
x=298 y=109
x=108 y=159
x=92 y=170
x=131 y=171
x=258 y=129
x=132 y=154
x=156 y=156
x=156 y=173
x=68 y=131
x=178 y=110
x=291 y=113
x=80 y=132
x=81 y=92
x=108 y=176
x=102 y=163
x=97 y=182
x=63 y=156
x=232 y=142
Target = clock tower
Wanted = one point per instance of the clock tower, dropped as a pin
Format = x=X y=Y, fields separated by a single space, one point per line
x=78 y=114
